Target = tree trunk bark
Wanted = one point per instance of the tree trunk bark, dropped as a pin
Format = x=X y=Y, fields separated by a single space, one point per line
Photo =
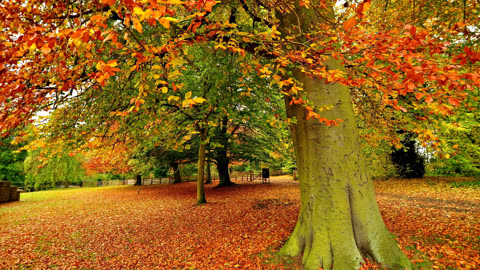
x=177 y=178
x=138 y=181
x=201 y=166
x=208 y=173
x=221 y=156
x=339 y=222
x=222 y=168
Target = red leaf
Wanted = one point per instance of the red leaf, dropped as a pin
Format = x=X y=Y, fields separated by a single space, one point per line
x=413 y=31
x=350 y=23
x=429 y=99
x=109 y=2
x=454 y=102
x=419 y=96
x=410 y=86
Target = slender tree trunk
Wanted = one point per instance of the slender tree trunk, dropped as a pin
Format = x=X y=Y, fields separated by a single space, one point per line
x=201 y=166
x=339 y=223
x=177 y=178
x=138 y=181
x=208 y=173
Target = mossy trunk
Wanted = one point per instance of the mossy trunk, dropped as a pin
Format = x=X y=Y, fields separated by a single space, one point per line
x=177 y=178
x=201 y=168
x=339 y=222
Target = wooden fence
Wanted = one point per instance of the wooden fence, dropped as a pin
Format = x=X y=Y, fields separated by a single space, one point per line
x=235 y=176
x=145 y=181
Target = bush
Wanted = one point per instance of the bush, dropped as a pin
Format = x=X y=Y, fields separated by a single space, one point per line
x=457 y=165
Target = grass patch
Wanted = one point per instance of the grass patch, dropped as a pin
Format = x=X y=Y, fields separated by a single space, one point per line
x=468 y=184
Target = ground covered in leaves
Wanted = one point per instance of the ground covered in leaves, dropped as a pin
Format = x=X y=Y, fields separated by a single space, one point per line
x=160 y=226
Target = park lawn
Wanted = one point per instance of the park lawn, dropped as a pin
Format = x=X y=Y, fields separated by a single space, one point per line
x=160 y=226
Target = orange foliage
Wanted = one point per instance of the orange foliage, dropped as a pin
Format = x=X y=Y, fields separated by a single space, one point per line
x=159 y=227
x=107 y=159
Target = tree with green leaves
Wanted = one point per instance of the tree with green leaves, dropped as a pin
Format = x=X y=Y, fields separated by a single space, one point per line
x=45 y=172
x=11 y=162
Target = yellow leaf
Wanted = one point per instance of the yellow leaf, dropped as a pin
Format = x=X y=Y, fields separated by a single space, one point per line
x=33 y=47
x=188 y=94
x=164 y=23
x=137 y=25
x=164 y=90
x=138 y=11
x=220 y=46
x=99 y=65
x=265 y=70
x=366 y=7
x=112 y=63
x=199 y=100
x=175 y=98
x=170 y=19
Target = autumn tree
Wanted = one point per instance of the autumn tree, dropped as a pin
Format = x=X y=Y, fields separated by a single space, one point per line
x=84 y=47
x=104 y=158
x=424 y=112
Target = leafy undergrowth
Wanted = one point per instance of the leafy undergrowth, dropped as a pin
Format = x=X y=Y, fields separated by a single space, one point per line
x=240 y=228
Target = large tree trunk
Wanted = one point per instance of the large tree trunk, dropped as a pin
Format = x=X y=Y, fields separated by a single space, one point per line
x=339 y=223
x=177 y=178
x=201 y=167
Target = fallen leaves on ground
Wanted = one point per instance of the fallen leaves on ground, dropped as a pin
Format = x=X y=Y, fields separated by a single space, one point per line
x=148 y=227
x=160 y=226
x=436 y=224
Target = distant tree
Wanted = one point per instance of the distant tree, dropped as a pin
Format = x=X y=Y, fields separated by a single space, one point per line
x=11 y=162
x=44 y=171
